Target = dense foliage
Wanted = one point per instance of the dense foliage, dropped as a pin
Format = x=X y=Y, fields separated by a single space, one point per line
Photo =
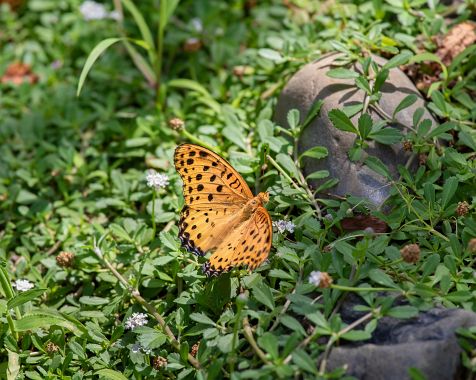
x=80 y=223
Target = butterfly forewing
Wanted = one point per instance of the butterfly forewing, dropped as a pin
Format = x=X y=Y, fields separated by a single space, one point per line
x=208 y=178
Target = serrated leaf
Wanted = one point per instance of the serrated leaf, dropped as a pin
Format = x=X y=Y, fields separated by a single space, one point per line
x=202 y=318
x=406 y=102
x=341 y=121
x=378 y=166
x=313 y=112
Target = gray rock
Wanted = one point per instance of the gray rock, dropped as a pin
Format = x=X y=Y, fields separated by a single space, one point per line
x=427 y=342
x=311 y=84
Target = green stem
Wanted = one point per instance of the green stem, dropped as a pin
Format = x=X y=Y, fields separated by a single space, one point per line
x=196 y=140
x=160 y=47
x=154 y=228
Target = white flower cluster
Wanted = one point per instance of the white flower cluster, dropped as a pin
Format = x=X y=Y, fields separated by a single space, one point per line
x=156 y=180
x=283 y=225
x=92 y=10
x=315 y=278
x=22 y=285
x=136 y=320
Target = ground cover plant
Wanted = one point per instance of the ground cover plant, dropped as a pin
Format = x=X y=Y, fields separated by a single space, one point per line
x=94 y=99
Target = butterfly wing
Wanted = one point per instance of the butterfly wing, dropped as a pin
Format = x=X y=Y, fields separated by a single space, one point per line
x=208 y=178
x=248 y=245
x=214 y=194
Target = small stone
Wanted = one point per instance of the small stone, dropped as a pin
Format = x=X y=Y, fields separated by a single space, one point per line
x=462 y=209
x=410 y=253
x=65 y=259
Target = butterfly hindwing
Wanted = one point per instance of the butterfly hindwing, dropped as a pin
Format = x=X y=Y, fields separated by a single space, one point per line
x=248 y=245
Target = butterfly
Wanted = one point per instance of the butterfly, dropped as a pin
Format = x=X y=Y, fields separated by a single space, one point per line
x=220 y=213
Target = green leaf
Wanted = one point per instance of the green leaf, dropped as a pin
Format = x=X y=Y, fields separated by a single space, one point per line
x=140 y=22
x=313 y=112
x=119 y=232
x=382 y=278
x=362 y=83
x=24 y=297
x=110 y=374
x=403 y=312
x=188 y=84
x=45 y=318
x=92 y=58
x=341 y=121
x=317 y=152
x=202 y=318
x=406 y=102
x=387 y=136
x=94 y=301
x=293 y=118
x=263 y=294
x=269 y=343
x=442 y=128
x=224 y=343
x=400 y=59
x=319 y=174
x=167 y=8
x=271 y=55
x=378 y=166
x=449 y=190
x=365 y=125
x=356 y=335
x=149 y=337
x=288 y=164
x=293 y=324
x=439 y=102
x=302 y=359
x=380 y=80
x=342 y=73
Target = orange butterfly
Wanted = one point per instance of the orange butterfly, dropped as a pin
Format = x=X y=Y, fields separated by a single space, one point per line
x=220 y=212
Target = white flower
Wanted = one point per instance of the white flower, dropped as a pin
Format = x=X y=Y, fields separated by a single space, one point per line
x=197 y=24
x=315 y=278
x=93 y=11
x=22 y=285
x=115 y=15
x=156 y=180
x=135 y=320
x=282 y=226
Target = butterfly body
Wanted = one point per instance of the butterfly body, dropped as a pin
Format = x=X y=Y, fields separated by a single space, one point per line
x=221 y=214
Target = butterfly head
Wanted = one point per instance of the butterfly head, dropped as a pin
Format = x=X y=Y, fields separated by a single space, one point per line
x=263 y=197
